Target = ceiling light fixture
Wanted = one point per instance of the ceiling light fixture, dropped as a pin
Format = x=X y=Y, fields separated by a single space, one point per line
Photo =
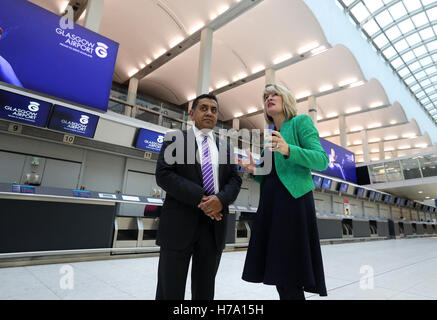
x=282 y=58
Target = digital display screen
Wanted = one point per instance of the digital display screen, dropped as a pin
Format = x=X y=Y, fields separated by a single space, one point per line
x=408 y=204
x=360 y=192
x=341 y=162
x=18 y=108
x=149 y=140
x=399 y=201
x=372 y=195
x=343 y=187
x=73 y=121
x=387 y=198
x=317 y=181
x=41 y=52
x=326 y=184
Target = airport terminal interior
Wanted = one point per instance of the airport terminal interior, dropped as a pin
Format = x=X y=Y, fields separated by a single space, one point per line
x=86 y=104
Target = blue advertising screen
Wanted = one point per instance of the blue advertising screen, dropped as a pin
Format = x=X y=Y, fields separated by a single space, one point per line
x=326 y=184
x=343 y=187
x=317 y=181
x=341 y=162
x=73 y=121
x=149 y=140
x=18 y=108
x=40 y=53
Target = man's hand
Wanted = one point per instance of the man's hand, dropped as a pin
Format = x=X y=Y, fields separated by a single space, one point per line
x=212 y=207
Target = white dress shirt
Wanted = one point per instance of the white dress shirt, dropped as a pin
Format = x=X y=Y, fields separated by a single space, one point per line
x=213 y=150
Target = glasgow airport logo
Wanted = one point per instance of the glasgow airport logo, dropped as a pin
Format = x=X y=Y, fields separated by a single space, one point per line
x=82 y=45
x=33 y=106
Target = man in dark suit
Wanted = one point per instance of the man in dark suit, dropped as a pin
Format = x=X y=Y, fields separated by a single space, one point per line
x=198 y=193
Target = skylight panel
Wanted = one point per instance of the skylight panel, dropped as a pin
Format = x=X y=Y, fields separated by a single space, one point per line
x=381 y=40
x=390 y=52
x=413 y=39
x=414 y=66
x=420 y=19
x=406 y=26
x=398 y=10
x=426 y=33
x=420 y=51
x=412 y=5
x=373 y=5
x=425 y=61
x=425 y=83
x=432 y=46
x=384 y=19
x=397 y=63
x=371 y=27
x=408 y=56
x=431 y=70
x=404 y=72
x=393 y=33
x=401 y=45
x=432 y=13
x=360 y=12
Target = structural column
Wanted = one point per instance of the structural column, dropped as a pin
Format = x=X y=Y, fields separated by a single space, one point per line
x=131 y=97
x=381 y=151
x=312 y=109
x=270 y=76
x=94 y=13
x=236 y=124
x=343 y=130
x=204 y=75
x=366 y=152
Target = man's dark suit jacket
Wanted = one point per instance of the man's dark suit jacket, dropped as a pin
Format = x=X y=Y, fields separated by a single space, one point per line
x=183 y=183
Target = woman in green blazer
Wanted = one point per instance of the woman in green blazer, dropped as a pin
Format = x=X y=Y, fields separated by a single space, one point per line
x=284 y=248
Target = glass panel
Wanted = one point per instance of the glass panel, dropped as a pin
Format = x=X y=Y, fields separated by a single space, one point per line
x=429 y=165
x=377 y=173
x=405 y=29
x=393 y=171
x=411 y=169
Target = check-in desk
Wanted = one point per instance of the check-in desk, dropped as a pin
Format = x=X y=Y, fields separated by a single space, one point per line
x=240 y=223
x=139 y=228
x=408 y=227
x=37 y=218
x=420 y=228
x=381 y=225
x=330 y=226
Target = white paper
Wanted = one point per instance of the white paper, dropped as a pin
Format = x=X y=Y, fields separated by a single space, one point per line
x=130 y=198
x=154 y=200
x=107 y=196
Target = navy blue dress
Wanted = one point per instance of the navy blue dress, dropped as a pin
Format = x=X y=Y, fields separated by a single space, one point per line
x=284 y=247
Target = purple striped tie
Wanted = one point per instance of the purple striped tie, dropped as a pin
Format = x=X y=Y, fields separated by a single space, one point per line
x=207 y=173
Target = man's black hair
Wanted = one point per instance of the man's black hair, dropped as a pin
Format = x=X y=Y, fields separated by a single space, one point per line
x=203 y=96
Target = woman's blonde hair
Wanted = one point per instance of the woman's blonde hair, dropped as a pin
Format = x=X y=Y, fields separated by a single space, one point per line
x=289 y=102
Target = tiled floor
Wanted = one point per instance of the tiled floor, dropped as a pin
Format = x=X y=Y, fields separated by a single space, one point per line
x=402 y=269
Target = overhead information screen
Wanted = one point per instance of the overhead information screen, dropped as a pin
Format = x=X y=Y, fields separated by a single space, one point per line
x=149 y=140
x=18 y=108
x=73 y=121
x=40 y=53
x=341 y=162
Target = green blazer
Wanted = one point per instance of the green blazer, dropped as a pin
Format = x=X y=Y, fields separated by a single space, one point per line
x=306 y=154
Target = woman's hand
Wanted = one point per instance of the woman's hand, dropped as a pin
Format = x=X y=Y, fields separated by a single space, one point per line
x=278 y=144
x=247 y=165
